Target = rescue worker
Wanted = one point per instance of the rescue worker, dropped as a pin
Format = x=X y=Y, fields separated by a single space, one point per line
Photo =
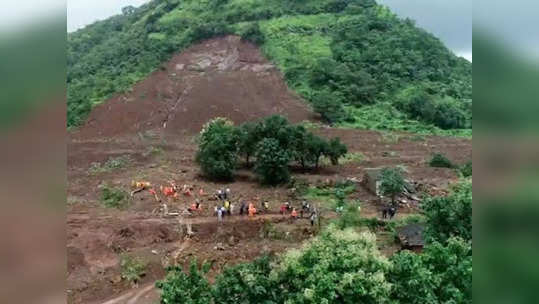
x=243 y=208
x=220 y=215
x=220 y=194
x=227 y=193
x=201 y=192
x=313 y=218
x=294 y=214
x=197 y=202
x=252 y=211
x=304 y=208
x=266 y=206
x=227 y=207
x=283 y=209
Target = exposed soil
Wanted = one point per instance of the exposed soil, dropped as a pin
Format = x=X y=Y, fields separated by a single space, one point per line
x=155 y=124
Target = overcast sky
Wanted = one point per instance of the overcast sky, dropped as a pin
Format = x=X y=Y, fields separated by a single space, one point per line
x=450 y=20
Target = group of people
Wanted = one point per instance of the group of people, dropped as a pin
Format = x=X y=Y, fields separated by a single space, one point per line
x=305 y=209
x=225 y=207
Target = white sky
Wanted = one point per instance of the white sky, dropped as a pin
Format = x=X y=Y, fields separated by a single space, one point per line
x=17 y=14
x=84 y=12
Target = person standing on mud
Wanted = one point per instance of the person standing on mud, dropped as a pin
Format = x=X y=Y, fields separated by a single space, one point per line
x=313 y=218
x=252 y=211
x=220 y=215
x=294 y=214
x=243 y=208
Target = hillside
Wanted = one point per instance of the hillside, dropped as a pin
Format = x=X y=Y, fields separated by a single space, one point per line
x=356 y=62
x=220 y=77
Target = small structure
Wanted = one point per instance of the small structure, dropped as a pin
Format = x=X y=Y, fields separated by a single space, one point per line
x=411 y=237
x=371 y=180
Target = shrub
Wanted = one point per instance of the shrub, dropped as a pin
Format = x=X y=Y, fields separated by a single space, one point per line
x=329 y=107
x=450 y=215
x=272 y=162
x=391 y=182
x=245 y=283
x=114 y=197
x=351 y=216
x=132 y=268
x=252 y=33
x=217 y=149
x=439 y=160
x=340 y=266
x=189 y=288
x=111 y=164
x=466 y=169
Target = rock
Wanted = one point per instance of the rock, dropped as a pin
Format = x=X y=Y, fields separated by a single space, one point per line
x=116 y=279
x=219 y=246
x=155 y=251
x=231 y=241
x=180 y=67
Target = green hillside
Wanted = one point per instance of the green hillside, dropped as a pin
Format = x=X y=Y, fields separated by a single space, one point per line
x=354 y=60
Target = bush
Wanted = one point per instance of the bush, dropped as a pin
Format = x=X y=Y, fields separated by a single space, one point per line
x=441 y=274
x=391 y=182
x=439 y=160
x=189 y=288
x=351 y=216
x=217 y=149
x=252 y=33
x=114 y=197
x=337 y=267
x=132 y=268
x=329 y=107
x=272 y=162
x=466 y=169
x=451 y=215
x=245 y=283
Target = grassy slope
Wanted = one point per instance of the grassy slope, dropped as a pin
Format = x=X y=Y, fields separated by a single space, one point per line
x=110 y=56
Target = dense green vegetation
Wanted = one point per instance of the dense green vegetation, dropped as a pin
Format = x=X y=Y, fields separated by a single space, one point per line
x=273 y=141
x=344 y=266
x=344 y=56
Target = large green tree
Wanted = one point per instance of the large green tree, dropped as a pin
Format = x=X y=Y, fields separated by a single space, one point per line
x=272 y=162
x=391 y=182
x=217 y=149
x=451 y=215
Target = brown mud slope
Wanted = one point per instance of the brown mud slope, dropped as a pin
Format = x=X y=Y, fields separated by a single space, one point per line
x=154 y=126
x=221 y=77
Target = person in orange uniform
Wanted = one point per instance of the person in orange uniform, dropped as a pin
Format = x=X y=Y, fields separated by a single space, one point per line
x=294 y=214
x=252 y=210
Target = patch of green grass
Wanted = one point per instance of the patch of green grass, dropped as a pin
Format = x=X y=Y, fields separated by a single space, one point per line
x=354 y=157
x=385 y=117
x=111 y=164
x=113 y=197
x=328 y=195
x=132 y=268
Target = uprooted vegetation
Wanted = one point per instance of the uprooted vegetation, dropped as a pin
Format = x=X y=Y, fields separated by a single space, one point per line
x=113 y=163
